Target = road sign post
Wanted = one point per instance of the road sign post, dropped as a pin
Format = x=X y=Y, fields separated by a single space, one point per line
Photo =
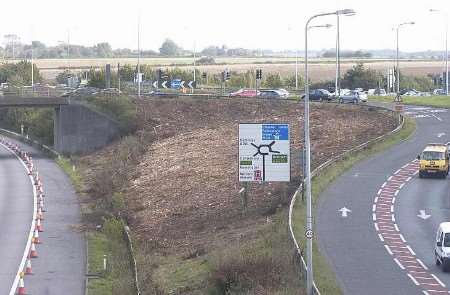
x=264 y=152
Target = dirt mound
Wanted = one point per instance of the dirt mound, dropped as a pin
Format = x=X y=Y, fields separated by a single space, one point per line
x=184 y=195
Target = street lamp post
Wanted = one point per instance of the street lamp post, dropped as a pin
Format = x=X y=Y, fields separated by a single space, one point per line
x=309 y=228
x=445 y=14
x=139 y=56
x=397 y=59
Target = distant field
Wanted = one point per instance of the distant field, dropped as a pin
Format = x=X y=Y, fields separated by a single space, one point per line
x=434 y=101
x=320 y=69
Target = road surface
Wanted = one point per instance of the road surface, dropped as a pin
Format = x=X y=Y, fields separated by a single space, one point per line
x=60 y=268
x=16 y=211
x=383 y=246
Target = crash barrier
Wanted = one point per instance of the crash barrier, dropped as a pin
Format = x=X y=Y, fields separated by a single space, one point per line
x=298 y=252
x=30 y=252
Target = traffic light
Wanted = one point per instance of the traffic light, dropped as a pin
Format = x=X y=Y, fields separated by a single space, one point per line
x=204 y=75
x=258 y=74
x=228 y=75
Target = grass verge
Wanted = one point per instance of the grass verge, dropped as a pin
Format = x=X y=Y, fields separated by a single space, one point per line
x=433 y=101
x=109 y=241
x=324 y=276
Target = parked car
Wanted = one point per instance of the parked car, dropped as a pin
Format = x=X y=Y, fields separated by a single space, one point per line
x=438 y=92
x=82 y=92
x=111 y=91
x=353 y=97
x=409 y=92
x=379 y=92
x=274 y=93
x=319 y=95
x=245 y=93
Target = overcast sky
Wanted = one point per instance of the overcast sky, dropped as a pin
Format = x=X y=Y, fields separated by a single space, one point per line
x=268 y=24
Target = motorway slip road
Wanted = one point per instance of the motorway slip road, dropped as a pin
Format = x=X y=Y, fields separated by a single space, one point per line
x=16 y=212
x=60 y=267
x=385 y=244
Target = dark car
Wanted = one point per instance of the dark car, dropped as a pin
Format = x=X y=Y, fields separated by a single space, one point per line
x=319 y=95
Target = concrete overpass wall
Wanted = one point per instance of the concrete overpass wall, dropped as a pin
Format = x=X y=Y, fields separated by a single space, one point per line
x=79 y=129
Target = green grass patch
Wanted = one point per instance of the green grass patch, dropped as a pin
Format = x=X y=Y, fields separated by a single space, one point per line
x=71 y=171
x=434 y=101
x=118 y=277
x=324 y=276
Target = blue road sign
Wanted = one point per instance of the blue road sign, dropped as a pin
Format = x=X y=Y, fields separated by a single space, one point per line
x=275 y=132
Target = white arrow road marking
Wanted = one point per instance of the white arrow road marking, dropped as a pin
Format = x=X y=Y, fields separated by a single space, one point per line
x=440 y=135
x=345 y=211
x=423 y=215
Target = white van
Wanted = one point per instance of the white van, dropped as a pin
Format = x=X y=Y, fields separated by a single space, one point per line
x=442 y=246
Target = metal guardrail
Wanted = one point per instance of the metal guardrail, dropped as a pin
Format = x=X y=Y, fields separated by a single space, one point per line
x=322 y=167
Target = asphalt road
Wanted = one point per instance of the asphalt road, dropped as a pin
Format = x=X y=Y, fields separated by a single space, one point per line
x=60 y=268
x=16 y=211
x=395 y=256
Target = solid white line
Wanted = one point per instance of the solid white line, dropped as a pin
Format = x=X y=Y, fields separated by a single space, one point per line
x=30 y=234
x=396 y=227
x=413 y=279
x=403 y=239
x=381 y=237
x=398 y=263
x=376 y=226
x=412 y=252
x=388 y=249
x=438 y=280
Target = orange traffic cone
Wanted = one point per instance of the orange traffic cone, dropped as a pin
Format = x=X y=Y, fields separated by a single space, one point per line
x=33 y=252
x=36 y=237
x=39 y=214
x=39 y=227
x=28 y=270
x=21 y=287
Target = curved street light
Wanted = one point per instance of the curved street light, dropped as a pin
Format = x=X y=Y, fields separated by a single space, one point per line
x=445 y=14
x=307 y=176
x=397 y=59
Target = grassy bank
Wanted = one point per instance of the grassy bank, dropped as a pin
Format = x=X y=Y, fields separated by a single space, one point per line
x=108 y=242
x=324 y=276
x=434 y=101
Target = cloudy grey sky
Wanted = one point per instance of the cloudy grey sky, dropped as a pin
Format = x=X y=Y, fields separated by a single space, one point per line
x=271 y=24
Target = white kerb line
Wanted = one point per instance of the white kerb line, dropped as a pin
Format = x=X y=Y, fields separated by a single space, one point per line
x=30 y=235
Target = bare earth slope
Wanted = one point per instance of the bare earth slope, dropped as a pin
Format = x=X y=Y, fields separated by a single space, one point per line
x=187 y=184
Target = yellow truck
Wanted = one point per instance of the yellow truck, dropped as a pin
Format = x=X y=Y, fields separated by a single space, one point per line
x=434 y=160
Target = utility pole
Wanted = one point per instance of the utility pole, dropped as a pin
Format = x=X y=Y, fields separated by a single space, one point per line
x=118 y=76
x=139 y=57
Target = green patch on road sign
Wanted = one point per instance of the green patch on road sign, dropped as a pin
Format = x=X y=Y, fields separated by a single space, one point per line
x=279 y=159
x=246 y=163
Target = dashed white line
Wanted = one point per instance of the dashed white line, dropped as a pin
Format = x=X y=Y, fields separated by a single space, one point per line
x=381 y=237
x=374 y=217
x=376 y=226
x=396 y=227
x=383 y=185
x=412 y=252
x=396 y=193
x=388 y=249
x=413 y=279
x=374 y=207
x=438 y=280
x=398 y=263
x=403 y=239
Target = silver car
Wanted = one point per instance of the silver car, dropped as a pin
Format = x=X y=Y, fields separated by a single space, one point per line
x=353 y=97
